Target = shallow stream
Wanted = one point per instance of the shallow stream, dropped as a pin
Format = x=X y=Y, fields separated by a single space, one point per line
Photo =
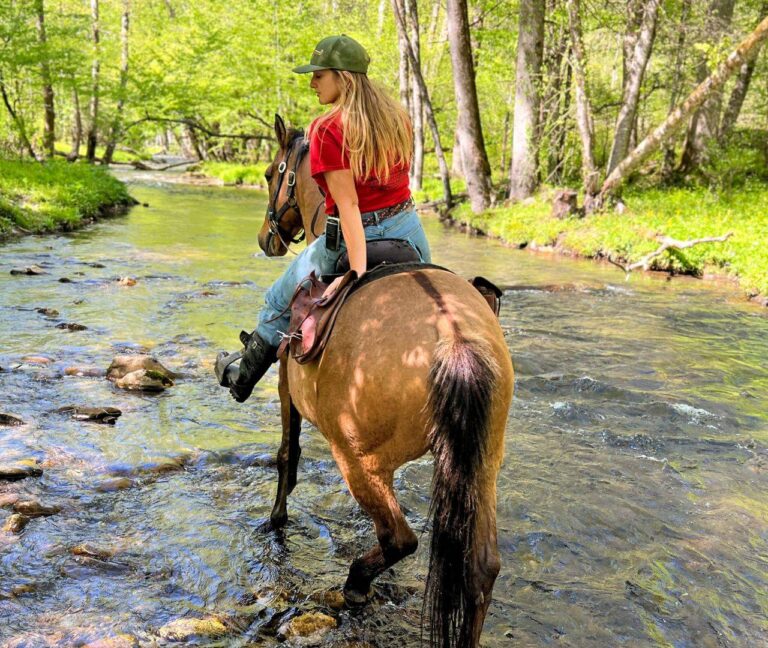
x=632 y=502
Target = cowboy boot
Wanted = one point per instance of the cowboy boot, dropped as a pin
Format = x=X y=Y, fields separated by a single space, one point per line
x=255 y=359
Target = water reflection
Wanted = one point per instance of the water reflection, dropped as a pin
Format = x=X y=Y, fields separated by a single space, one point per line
x=632 y=500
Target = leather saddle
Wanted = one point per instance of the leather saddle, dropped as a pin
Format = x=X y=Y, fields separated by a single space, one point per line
x=313 y=317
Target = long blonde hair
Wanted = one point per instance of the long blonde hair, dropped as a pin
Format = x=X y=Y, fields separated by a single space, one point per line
x=376 y=128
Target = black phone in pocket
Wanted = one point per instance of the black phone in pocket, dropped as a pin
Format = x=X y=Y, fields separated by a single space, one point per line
x=332 y=233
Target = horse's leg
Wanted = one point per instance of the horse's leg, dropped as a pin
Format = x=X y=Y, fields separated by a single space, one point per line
x=289 y=453
x=396 y=539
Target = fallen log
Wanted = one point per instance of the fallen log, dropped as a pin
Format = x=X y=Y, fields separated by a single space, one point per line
x=666 y=244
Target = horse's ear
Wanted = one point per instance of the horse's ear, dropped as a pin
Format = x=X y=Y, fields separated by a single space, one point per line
x=280 y=131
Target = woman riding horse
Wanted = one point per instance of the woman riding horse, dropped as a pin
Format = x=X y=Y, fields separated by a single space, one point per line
x=359 y=155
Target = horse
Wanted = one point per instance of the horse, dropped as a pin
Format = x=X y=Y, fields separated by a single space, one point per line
x=417 y=362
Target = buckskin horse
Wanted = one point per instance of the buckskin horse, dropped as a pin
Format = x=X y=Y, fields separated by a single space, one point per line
x=417 y=361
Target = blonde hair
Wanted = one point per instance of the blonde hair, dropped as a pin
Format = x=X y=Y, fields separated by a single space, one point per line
x=376 y=129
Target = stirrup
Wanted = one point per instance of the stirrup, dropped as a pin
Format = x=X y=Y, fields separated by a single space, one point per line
x=223 y=360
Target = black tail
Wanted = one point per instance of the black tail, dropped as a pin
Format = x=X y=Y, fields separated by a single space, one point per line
x=462 y=381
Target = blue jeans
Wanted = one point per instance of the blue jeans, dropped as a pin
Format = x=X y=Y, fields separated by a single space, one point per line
x=405 y=226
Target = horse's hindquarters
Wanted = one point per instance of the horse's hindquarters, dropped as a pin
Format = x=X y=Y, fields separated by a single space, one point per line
x=371 y=384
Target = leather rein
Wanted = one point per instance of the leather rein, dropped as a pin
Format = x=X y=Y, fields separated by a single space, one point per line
x=275 y=214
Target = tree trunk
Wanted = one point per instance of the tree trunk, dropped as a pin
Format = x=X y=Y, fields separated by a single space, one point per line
x=555 y=95
x=18 y=121
x=115 y=131
x=477 y=171
x=714 y=83
x=584 y=121
x=444 y=174
x=668 y=164
x=404 y=70
x=49 y=129
x=739 y=92
x=77 y=127
x=93 y=115
x=530 y=46
x=625 y=122
x=417 y=107
x=706 y=121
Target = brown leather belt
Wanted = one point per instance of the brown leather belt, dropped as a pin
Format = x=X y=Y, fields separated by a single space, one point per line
x=375 y=217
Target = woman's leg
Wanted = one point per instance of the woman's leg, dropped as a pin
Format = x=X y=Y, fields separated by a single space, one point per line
x=274 y=318
x=405 y=226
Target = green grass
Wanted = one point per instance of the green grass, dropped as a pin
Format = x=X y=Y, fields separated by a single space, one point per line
x=232 y=173
x=54 y=195
x=681 y=213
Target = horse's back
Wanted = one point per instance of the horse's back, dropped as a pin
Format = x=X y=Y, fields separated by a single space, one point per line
x=371 y=385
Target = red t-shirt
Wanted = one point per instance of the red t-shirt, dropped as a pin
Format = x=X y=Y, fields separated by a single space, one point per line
x=326 y=154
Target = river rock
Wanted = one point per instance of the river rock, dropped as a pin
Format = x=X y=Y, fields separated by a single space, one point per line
x=48 y=312
x=65 y=280
x=144 y=380
x=125 y=364
x=8 y=499
x=31 y=508
x=29 y=270
x=118 y=641
x=311 y=625
x=88 y=372
x=16 y=523
x=95 y=414
x=33 y=359
x=10 y=420
x=114 y=484
x=333 y=599
x=72 y=326
x=17 y=471
x=92 y=551
x=126 y=281
x=187 y=629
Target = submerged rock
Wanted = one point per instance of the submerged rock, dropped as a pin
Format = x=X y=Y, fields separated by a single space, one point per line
x=16 y=523
x=186 y=629
x=114 y=484
x=10 y=420
x=118 y=641
x=8 y=499
x=92 y=551
x=89 y=372
x=72 y=326
x=29 y=270
x=31 y=508
x=126 y=281
x=48 y=312
x=95 y=414
x=14 y=472
x=144 y=380
x=311 y=625
x=33 y=359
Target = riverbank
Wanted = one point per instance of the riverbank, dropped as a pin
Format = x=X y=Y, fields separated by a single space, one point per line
x=55 y=196
x=683 y=214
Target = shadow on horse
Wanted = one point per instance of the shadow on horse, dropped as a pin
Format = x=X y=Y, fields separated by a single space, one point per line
x=417 y=362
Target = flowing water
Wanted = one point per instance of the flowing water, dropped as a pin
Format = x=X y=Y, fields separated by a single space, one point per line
x=632 y=501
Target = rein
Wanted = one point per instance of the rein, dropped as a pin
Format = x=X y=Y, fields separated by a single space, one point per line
x=275 y=214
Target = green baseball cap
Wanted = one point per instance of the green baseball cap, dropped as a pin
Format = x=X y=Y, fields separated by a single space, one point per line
x=337 y=53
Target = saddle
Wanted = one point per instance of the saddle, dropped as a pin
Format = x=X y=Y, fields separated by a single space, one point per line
x=313 y=317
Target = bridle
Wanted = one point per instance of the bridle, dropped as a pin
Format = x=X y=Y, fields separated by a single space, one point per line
x=275 y=214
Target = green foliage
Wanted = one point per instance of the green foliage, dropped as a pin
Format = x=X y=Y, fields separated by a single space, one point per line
x=54 y=195
x=234 y=174
x=680 y=213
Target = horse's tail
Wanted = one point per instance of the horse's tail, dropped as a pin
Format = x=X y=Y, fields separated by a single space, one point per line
x=462 y=380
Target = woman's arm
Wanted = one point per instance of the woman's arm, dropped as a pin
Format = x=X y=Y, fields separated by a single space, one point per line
x=341 y=184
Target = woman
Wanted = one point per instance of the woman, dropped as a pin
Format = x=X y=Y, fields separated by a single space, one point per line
x=359 y=155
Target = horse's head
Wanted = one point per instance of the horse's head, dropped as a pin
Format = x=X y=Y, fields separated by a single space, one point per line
x=283 y=223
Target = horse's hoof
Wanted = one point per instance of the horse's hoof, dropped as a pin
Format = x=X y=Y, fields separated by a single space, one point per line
x=355 y=599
